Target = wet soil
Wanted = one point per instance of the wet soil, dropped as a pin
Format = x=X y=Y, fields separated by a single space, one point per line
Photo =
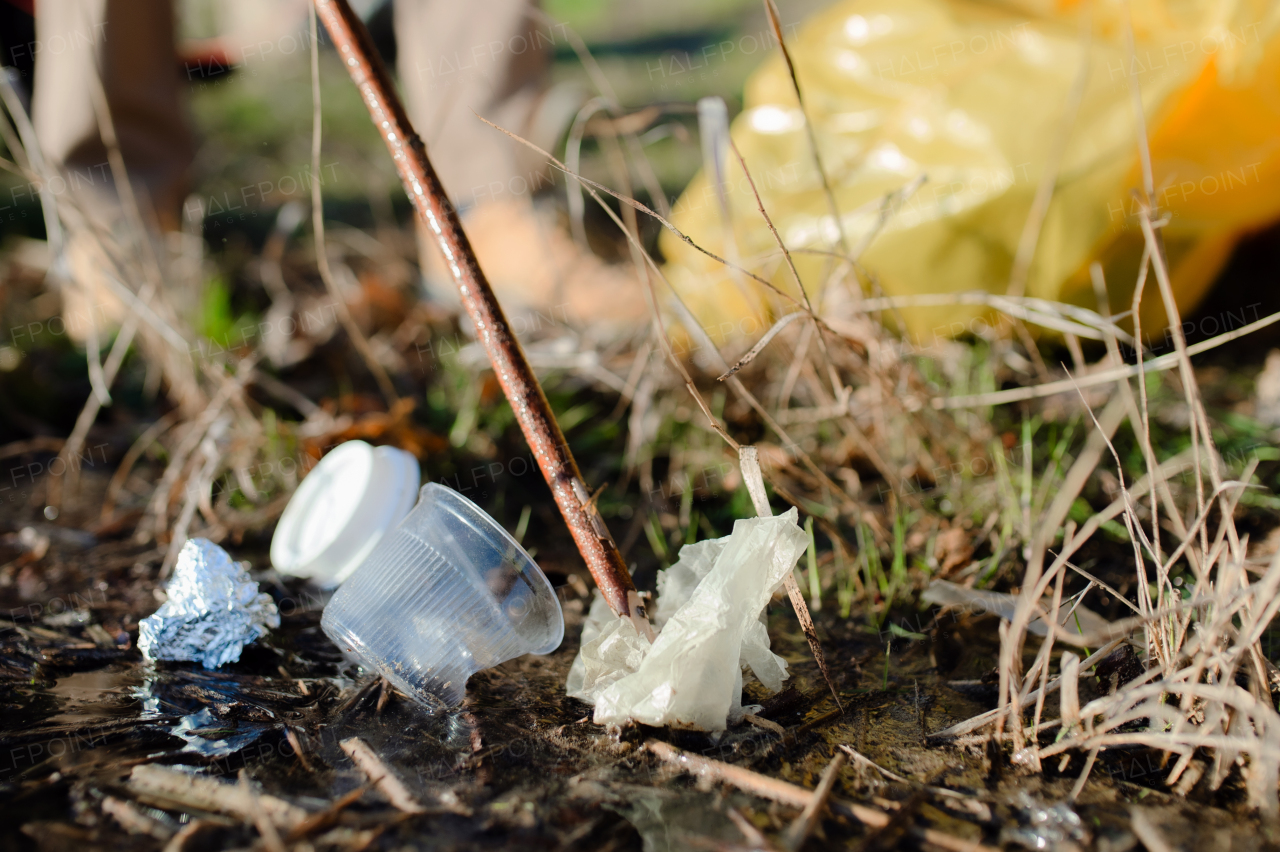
x=519 y=765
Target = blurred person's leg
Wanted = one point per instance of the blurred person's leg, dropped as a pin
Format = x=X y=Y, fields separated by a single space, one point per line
x=129 y=46
x=458 y=60
x=490 y=58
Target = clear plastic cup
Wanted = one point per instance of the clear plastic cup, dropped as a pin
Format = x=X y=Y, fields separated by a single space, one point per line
x=445 y=594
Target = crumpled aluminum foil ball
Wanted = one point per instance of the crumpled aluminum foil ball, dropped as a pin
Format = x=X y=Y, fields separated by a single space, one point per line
x=212 y=612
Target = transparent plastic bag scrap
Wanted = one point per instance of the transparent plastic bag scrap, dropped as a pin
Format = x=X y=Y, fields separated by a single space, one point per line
x=708 y=613
x=987 y=100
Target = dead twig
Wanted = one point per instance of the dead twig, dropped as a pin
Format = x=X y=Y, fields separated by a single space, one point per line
x=133 y=820
x=270 y=837
x=208 y=794
x=328 y=817
x=381 y=776
x=795 y=796
x=764 y=724
x=804 y=824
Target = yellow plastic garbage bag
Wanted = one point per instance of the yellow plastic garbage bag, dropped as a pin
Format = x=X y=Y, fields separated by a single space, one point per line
x=985 y=100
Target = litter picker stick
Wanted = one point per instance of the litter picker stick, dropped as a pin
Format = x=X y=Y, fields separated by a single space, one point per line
x=509 y=363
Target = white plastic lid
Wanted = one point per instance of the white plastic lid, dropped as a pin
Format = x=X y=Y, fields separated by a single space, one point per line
x=342 y=509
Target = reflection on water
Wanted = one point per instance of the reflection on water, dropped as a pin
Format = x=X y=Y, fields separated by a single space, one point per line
x=204 y=733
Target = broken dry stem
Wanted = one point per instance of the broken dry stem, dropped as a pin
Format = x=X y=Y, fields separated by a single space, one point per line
x=133 y=820
x=749 y=463
x=798 y=797
x=327 y=818
x=804 y=824
x=267 y=830
x=381 y=776
x=510 y=365
x=208 y=794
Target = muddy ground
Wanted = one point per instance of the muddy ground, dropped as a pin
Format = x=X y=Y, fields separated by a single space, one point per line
x=519 y=765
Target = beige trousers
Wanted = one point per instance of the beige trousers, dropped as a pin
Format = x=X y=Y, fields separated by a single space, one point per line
x=456 y=60
x=129 y=44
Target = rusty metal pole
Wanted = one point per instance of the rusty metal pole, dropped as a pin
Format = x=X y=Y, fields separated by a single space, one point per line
x=509 y=363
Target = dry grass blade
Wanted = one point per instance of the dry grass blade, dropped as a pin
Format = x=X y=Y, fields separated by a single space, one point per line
x=775 y=22
x=573 y=158
x=662 y=220
x=21 y=164
x=735 y=384
x=777 y=238
x=753 y=835
x=1105 y=377
x=749 y=462
x=1187 y=700
x=972 y=804
x=26 y=149
x=1036 y=580
x=186 y=835
x=196 y=431
x=761 y=344
x=982 y=719
x=1078 y=787
x=177 y=369
x=598 y=79
x=1041 y=664
x=324 y=819
x=836 y=385
x=358 y=340
x=1147 y=832
x=31 y=445
x=704 y=341
x=89 y=414
x=656 y=312
x=1058 y=316
x=198 y=492
x=1139 y=114
x=1069 y=701
x=759 y=785
x=1048 y=181
x=886 y=208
